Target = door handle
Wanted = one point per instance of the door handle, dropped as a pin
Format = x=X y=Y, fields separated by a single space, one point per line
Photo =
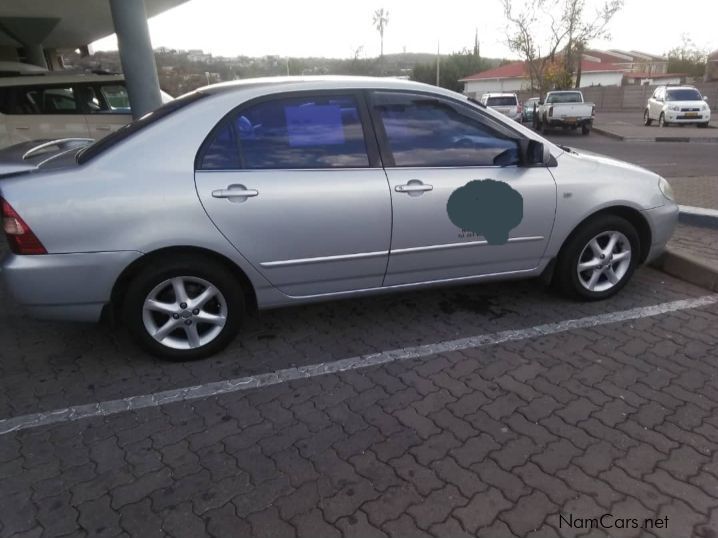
x=414 y=187
x=235 y=191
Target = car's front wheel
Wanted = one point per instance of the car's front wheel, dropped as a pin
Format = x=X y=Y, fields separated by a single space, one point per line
x=184 y=309
x=599 y=259
x=662 y=120
x=703 y=125
x=647 y=121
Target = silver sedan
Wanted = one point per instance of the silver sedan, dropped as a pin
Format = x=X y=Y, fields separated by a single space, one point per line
x=272 y=192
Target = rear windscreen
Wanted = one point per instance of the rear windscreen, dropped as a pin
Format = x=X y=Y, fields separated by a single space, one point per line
x=501 y=101
x=571 y=97
x=103 y=144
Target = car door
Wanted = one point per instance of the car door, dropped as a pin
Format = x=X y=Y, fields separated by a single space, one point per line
x=295 y=183
x=46 y=112
x=107 y=107
x=655 y=104
x=462 y=206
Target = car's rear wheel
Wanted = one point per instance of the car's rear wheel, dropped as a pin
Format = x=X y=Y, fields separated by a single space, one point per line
x=647 y=121
x=585 y=129
x=662 y=121
x=599 y=259
x=184 y=309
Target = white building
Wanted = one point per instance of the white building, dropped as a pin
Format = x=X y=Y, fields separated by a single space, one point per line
x=514 y=77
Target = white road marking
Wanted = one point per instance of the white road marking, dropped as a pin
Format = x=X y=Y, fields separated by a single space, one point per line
x=216 y=388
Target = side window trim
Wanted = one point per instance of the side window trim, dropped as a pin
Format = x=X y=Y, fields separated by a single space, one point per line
x=384 y=149
x=368 y=132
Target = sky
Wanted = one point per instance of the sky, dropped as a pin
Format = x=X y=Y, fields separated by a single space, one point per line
x=337 y=28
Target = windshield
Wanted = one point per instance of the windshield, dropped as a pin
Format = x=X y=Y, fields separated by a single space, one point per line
x=103 y=144
x=687 y=94
x=567 y=97
x=501 y=101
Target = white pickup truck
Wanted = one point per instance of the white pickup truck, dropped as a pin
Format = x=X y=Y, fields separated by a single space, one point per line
x=565 y=109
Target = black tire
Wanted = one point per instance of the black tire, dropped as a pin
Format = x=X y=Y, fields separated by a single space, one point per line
x=703 y=125
x=662 y=121
x=647 y=121
x=585 y=129
x=566 y=276
x=543 y=128
x=190 y=267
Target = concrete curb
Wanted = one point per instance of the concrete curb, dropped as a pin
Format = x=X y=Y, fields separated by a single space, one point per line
x=610 y=134
x=689 y=268
x=698 y=216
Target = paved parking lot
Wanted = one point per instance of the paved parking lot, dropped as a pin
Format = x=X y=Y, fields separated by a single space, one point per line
x=489 y=410
x=509 y=436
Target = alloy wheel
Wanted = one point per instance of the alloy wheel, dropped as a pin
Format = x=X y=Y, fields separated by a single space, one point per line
x=604 y=261
x=184 y=312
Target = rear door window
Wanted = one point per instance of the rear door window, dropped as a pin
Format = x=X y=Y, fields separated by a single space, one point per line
x=289 y=133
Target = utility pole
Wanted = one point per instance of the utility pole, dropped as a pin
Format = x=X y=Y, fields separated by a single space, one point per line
x=287 y=65
x=438 y=62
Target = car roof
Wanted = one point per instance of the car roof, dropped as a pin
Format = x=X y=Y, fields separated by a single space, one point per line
x=59 y=78
x=682 y=87
x=330 y=82
x=500 y=94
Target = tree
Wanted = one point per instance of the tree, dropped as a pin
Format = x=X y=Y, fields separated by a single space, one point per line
x=454 y=67
x=687 y=58
x=381 y=20
x=542 y=30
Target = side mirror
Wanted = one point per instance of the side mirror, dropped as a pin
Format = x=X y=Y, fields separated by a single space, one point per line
x=531 y=152
x=705 y=98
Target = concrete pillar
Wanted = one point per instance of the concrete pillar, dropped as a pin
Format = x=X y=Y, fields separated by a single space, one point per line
x=35 y=55
x=138 y=62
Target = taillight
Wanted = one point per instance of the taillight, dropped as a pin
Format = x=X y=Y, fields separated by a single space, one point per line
x=19 y=235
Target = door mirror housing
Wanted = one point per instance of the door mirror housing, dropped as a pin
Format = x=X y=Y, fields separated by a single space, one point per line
x=705 y=98
x=531 y=153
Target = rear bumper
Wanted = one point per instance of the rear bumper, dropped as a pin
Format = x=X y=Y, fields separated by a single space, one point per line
x=662 y=221
x=560 y=122
x=72 y=287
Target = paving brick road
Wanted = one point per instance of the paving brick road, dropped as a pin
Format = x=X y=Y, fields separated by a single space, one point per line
x=494 y=441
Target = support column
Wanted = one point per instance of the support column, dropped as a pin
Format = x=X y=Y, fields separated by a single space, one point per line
x=35 y=55
x=138 y=62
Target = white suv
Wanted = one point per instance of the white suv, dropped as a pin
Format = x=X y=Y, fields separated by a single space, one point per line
x=677 y=104
x=57 y=105
x=506 y=103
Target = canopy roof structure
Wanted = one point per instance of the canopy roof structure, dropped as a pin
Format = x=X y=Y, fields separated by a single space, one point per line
x=62 y=24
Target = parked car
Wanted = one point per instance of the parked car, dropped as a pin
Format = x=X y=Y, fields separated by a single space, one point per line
x=565 y=109
x=51 y=105
x=677 y=104
x=273 y=192
x=527 y=110
x=505 y=103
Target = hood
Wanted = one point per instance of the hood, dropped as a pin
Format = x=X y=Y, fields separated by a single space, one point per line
x=686 y=104
x=35 y=154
